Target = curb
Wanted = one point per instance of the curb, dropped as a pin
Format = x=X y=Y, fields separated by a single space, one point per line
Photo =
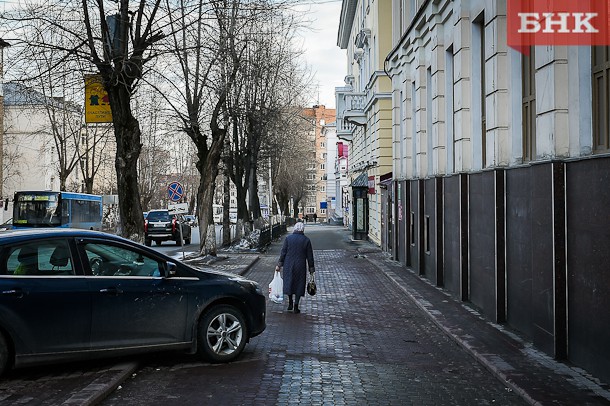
x=248 y=267
x=103 y=386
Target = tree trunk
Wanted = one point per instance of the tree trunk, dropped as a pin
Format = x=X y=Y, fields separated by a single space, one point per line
x=207 y=165
x=205 y=199
x=226 y=221
x=127 y=134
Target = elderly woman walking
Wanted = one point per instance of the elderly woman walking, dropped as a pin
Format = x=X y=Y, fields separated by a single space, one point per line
x=295 y=256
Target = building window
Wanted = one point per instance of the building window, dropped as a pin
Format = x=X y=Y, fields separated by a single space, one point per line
x=322 y=166
x=450 y=105
x=479 y=26
x=601 y=100
x=322 y=144
x=414 y=124
x=528 y=72
x=430 y=144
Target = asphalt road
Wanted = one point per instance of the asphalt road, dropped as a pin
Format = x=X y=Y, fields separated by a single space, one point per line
x=359 y=341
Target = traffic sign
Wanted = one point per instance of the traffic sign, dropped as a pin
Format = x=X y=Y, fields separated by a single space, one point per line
x=175 y=191
x=179 y=208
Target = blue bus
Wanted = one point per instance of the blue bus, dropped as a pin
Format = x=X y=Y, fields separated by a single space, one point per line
x=57 y=209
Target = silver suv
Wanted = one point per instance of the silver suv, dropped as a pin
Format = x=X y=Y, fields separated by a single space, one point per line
x=161 y=226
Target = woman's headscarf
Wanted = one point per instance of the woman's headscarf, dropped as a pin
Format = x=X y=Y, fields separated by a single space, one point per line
x=299 y=228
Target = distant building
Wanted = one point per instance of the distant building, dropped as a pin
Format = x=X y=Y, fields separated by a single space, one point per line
x=341 y=180
x=315 y=202
x=329 y=133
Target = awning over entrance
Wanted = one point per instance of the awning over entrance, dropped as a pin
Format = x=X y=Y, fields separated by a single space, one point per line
x=361 y=181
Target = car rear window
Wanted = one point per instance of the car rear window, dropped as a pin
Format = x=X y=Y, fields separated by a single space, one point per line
x=158 y=216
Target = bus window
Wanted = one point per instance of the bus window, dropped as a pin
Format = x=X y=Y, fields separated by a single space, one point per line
x=57 y=209
x=31 y=210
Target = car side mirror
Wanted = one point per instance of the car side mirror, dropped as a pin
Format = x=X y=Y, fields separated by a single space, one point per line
x=170 y=269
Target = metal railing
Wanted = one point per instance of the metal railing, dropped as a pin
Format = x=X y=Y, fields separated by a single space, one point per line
x=269 y=233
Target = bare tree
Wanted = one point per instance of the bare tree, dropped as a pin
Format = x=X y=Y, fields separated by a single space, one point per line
x=269 y=83
x=208 y=44
x=290 y=177
x=118 y=42
x=92 y=156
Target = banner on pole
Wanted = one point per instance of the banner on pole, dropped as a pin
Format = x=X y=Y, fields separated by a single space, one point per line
x=97 y=103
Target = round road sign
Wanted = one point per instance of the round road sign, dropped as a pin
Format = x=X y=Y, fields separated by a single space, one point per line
x=175 y=191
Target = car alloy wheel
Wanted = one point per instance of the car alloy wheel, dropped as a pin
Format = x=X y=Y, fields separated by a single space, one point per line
x=222 y=334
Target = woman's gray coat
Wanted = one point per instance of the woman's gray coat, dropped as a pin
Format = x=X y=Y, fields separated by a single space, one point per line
x=296 y=254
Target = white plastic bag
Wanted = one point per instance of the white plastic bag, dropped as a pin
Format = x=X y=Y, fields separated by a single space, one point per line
x=276 y=289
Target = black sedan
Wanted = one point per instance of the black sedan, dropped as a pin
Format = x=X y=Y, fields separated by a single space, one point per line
x=75 y=294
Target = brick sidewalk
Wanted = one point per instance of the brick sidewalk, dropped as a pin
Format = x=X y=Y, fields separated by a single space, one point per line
x=534 y=375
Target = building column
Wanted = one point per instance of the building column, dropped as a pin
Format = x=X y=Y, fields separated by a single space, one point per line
x=462 y=100
x=552 y=126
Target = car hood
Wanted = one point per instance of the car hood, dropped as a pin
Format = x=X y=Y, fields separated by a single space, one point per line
x=218 y=272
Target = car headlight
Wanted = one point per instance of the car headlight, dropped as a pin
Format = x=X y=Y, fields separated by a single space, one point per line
x=251 y=286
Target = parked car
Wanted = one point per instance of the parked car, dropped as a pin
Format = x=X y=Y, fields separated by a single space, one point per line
x=191 y=220
x=161 y=226
x=71 y=294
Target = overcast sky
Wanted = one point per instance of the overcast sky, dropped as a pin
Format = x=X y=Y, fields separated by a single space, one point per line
x=326 y=60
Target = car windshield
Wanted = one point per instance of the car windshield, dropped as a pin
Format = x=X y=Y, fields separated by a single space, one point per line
x=158 y=216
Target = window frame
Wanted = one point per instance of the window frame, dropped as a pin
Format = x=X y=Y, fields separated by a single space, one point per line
x=528 y=105
x=600 y=70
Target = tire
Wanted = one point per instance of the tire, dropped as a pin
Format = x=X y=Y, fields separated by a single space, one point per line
x=222 y=334
x=158 y=242
x=147 y=242
x=4 y=354
x=187 y=241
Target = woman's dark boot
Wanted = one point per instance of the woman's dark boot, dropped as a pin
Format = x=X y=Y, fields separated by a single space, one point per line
x=289 y=303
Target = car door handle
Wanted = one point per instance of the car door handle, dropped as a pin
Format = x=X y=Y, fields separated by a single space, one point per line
x=13 y=292
x=111 y=291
